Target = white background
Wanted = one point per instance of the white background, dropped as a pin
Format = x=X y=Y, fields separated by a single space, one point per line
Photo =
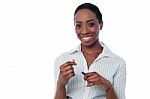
x=34 y=32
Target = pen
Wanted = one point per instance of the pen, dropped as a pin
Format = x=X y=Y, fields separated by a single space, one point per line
x=83 y=73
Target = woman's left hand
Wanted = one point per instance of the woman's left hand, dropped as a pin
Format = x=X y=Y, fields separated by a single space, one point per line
x=94 y=78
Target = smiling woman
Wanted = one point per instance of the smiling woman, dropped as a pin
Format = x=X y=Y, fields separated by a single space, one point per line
x=105 y=72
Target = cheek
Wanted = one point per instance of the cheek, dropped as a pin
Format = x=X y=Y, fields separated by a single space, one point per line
x=78 y=31
x=94 y=30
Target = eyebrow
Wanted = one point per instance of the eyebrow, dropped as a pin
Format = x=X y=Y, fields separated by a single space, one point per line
x=86 y=21
x=91 y=20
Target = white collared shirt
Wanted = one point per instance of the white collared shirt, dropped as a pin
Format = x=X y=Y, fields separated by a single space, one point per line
x=107 y=64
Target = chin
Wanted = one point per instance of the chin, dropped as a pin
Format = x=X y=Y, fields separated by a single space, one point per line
x=90 y=44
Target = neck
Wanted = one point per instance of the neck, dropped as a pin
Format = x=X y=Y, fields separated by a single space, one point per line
x=95 y=48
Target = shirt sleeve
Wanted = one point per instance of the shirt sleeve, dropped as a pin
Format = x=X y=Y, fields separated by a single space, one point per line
x=120 y=80
x=56 y=71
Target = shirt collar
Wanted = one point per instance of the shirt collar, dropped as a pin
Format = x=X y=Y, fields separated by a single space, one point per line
x=105 y=53
x=77 y=49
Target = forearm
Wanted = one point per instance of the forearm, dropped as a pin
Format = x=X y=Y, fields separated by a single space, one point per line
x=111 y=94
x=60 y=92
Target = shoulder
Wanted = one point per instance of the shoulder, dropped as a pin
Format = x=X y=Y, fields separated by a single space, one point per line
x=118 y=61
x=65 y=56
x=112 y=55
x=119 y=58
x=68 y=54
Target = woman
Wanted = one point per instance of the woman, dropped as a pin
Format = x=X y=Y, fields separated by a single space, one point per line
x=90 y=71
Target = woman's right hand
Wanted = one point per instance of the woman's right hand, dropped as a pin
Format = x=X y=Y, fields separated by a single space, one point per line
x=66 y=72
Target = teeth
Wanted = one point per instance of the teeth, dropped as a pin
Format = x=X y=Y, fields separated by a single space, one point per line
x=86 y=38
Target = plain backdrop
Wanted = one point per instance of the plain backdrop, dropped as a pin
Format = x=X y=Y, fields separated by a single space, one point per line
x=34 y=32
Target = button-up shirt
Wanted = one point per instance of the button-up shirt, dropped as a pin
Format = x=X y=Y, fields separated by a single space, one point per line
x=107 y=64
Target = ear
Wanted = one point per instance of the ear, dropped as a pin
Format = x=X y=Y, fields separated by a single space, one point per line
x=101 y=25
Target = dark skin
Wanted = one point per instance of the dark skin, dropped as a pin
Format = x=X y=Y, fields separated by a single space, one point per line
x=87 y=28
x=92 y=53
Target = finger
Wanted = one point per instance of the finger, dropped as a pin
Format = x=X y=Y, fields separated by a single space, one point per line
x=70 y=75
x=90 y=84
x=65 y=73
x=70 y=71
x=86 y=76
x=66 y=68
x=94 y=80
x=72 y=62
x=67 y=63
x=90 y=75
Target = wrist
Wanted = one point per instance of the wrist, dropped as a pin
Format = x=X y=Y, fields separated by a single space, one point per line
x=111 y=94
x=60 y=86
x=60 y=83
x=109 y=88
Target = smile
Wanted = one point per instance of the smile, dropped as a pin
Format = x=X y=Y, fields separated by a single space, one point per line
x=86 y=39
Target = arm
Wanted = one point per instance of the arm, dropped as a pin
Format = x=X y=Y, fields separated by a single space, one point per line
x=94 y=78
x=65 y=73
x=60 y=92
x=115 y=91
x=120 y=80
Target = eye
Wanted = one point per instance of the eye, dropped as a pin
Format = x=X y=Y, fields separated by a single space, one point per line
x=77 y=26
x=91 y=24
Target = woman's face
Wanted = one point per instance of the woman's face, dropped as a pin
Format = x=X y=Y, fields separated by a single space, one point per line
x=87 y=27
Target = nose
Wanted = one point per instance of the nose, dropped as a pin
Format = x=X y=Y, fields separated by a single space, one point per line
x=84 y=30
